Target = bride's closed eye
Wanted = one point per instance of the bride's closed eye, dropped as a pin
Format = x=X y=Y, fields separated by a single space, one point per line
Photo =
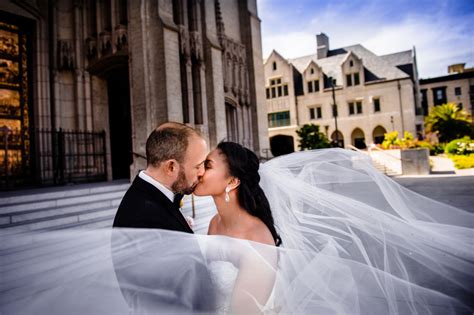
x=207 y=164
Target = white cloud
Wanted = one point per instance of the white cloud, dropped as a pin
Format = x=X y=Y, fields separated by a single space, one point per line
x=440 y=39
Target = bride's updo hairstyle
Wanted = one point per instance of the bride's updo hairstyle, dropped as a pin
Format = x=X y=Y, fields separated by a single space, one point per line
x=244 y=165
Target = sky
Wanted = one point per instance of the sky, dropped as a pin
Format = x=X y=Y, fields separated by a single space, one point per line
x=441 y=31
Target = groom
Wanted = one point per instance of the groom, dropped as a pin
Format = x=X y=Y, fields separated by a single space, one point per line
x=175 y=161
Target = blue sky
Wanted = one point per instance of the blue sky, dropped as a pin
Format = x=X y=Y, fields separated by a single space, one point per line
x=442 y=31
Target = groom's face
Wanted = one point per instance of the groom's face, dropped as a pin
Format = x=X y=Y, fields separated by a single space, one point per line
x=193 y=166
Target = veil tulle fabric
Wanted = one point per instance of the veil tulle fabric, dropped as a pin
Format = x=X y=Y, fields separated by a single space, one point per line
x=354 y=242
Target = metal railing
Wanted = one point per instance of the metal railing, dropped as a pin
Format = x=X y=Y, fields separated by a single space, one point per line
x=51 y=157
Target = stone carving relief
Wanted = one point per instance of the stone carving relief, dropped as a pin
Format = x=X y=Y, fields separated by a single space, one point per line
x=121 y=37
x=65 y=55
x=234 y=62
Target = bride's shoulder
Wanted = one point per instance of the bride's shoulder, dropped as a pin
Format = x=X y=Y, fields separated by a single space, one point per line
x=260 y=233
x=213 y=225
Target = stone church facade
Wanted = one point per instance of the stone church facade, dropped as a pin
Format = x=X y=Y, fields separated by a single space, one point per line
x=106 y=73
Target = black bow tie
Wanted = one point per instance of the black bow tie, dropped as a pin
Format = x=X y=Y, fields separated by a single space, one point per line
x=177 y=200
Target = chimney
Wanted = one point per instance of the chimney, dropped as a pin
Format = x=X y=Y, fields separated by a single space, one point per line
x=322 y=43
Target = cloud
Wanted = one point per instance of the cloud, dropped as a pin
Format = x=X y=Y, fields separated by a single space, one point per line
x=441 y=36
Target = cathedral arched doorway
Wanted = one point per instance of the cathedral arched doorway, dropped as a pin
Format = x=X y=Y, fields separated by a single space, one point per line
x=358 y=139
x=281 y=144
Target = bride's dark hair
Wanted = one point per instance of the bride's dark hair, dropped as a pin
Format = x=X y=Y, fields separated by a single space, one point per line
x=244 y=165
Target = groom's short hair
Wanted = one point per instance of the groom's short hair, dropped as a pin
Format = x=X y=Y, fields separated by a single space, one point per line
x=168 y=141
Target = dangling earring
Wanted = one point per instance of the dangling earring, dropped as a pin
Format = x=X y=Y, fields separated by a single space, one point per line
x=227 y=197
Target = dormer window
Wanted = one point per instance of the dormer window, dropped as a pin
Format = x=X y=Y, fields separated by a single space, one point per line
x=274 y=66
x=352 y=79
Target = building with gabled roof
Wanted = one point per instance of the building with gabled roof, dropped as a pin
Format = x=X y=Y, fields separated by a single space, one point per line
x=374 y=95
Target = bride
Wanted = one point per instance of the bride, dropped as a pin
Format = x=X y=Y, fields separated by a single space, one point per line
x=340 y=238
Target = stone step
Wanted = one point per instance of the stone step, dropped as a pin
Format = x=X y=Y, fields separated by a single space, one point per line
x=41 y=194
x=60 y=221
x=18 y=217
x=59 y=202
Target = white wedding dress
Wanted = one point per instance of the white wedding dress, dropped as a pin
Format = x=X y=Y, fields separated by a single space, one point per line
x=223 y=275
x=354 y=242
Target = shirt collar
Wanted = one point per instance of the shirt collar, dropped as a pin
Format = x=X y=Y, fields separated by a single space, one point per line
x=168 y=193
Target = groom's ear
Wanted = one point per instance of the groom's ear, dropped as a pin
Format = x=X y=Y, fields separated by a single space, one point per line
x=170 y=166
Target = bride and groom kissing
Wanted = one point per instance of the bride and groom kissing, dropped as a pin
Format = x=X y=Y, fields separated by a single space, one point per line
x=178 y=163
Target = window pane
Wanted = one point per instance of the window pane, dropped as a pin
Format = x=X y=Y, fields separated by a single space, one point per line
x=316 y=85
x=319 y=112
x=311 y=113
x=457 y=91
x=376 y=105
x=268 y=92
x=279 y=91
x=439 y=94
x=273 y=92
x=356 y=78
x=351 y=108
x=310 y=87
x=359 y=107
x=272 y=82
x=278 y=81
x=285 y=90
x=349 y=80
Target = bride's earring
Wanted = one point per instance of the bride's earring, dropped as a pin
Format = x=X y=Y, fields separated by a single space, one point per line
x=227 y=197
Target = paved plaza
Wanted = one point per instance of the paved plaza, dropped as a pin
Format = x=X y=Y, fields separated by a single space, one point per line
x=455 y=190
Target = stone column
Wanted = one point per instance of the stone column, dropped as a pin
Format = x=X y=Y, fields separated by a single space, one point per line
x=251 y=38
x=154 y=71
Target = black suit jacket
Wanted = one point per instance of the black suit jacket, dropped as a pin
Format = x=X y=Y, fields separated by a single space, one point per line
x=144 y=206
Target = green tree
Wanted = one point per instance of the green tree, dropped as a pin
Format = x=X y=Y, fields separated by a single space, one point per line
x=449 y=121
x=311 y=138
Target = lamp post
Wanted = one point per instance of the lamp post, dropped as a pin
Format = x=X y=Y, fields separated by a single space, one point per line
x=334 y=109
x=391 y=121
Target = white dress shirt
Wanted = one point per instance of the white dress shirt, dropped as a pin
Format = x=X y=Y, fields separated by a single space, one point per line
x=168 y=193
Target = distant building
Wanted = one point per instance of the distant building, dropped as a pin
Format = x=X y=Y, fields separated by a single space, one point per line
x=456 y=87
x=83 y=83
x=374 y=95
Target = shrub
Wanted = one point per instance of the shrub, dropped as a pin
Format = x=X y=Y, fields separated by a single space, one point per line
x=463 y=161
x=437 y=149
x=463 y=146
x=311 y=138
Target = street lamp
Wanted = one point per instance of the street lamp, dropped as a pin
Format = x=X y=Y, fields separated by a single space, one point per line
x=391 y=120
x=334 y=108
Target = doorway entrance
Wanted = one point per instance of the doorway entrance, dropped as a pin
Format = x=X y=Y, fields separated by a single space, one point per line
x=118 y=89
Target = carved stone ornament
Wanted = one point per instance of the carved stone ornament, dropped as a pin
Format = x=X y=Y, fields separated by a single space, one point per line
x=65 y=55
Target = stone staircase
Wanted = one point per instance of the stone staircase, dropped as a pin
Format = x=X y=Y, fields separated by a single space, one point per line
x=70 y=207
x=384 y=169
x=86 y=206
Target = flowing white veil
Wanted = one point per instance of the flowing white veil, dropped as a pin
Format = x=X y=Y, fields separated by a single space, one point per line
x=354 y=242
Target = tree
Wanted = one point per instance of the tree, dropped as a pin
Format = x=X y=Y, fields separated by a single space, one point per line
x=311 y=138
x=449 y=121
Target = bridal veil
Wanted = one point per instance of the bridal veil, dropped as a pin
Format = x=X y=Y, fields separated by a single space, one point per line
x=354 y=242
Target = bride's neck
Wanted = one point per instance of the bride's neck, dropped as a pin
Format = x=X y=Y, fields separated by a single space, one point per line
x=229 y=212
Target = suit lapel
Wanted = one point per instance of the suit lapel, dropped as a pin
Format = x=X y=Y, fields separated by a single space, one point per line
x=163 y=201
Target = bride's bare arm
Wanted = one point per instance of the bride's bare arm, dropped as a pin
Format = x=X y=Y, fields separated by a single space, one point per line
x=255 y=280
